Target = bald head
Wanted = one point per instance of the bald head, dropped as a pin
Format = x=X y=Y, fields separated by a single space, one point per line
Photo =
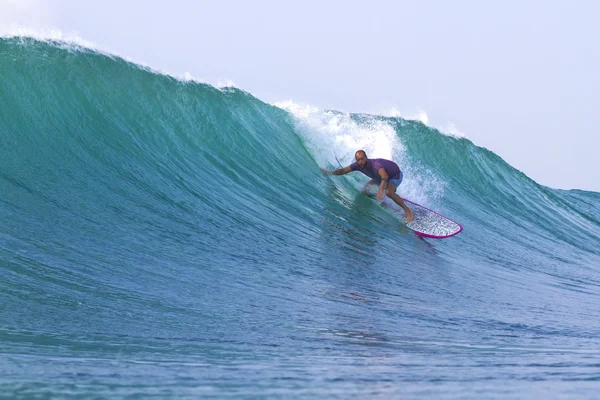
x=361 y=158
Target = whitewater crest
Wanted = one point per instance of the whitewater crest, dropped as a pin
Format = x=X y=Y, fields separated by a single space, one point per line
x=333 y=133
x=333 y=137
x=74 y=42
x=448 y=129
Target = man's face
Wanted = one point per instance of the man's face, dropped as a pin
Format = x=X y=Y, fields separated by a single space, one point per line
x=361 y=160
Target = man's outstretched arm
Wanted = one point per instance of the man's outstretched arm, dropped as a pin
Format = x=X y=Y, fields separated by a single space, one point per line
x=339 y=171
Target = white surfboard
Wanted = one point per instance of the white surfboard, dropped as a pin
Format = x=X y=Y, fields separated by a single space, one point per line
x=431 y=224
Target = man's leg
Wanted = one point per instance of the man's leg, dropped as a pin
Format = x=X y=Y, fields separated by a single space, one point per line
x=390 y=191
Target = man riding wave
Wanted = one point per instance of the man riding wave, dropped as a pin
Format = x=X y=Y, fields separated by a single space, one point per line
x=382 y=172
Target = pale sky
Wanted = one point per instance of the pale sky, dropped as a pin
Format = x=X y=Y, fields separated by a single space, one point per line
x=521 y=78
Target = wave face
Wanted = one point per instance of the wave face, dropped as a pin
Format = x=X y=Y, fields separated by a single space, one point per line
x=172 y=239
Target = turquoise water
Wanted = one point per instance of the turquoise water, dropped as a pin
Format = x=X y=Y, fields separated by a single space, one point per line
x=162 y=238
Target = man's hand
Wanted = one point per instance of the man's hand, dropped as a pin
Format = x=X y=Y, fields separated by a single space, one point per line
x=340 y=171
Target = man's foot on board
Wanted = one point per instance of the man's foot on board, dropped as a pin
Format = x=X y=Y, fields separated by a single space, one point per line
x=409 y=216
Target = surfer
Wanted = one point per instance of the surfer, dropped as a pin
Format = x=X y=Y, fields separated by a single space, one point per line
x=383 y=172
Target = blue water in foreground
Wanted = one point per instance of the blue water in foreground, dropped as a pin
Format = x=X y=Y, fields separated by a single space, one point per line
x=161 y=238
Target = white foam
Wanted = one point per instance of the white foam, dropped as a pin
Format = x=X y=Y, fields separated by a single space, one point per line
x=452 y=130
x=74 y=42
x=421 y=115
x=225 y=83
x=49 y=35
x=448 y=129
x=331 y=134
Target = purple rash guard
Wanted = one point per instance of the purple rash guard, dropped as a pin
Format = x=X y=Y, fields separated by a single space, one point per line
x=373 y=165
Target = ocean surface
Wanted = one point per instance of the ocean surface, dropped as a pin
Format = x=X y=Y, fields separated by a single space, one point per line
x=164 y=238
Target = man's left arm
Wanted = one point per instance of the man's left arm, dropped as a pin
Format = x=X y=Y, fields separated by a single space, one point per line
x=384 y=180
